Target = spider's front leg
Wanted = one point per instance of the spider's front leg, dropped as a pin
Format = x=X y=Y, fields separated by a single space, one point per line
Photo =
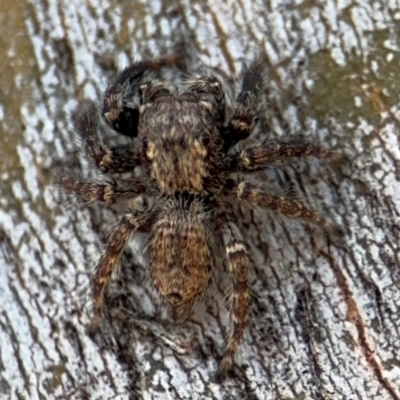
x=122 y=101
x=117 y=159
x=238 y=264
x=109 y=261
x=246 y=109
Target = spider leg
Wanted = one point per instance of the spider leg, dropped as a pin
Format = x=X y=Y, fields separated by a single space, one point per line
x=116 y=159
x=121 y=100
x=238 y=264
x=249 y=192
x=108 y=262
x=107 y=192
x=260 y=155
x=246 y=110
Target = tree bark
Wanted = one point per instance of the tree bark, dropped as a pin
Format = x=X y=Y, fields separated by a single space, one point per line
x=324 y=315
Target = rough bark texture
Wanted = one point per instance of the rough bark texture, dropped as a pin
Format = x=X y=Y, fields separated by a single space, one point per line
x=324 y=318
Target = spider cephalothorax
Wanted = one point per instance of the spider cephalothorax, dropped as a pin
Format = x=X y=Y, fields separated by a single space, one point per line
x=185 y=147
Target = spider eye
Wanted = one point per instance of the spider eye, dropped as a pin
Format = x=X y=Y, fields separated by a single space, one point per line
x=205 y=139
x=145 y=144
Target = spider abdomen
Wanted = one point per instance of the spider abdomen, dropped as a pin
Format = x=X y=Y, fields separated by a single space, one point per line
x=181 y=259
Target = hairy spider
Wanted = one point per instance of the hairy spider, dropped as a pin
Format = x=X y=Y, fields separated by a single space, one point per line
x=185 y=146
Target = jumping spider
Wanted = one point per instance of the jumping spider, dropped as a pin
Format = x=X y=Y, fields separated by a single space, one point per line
x=185 y=146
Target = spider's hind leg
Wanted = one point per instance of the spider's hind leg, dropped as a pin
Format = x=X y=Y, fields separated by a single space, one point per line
x=109 y=261
x=238 y=264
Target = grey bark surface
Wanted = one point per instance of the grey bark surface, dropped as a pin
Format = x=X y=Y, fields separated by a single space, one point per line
x=325 y=318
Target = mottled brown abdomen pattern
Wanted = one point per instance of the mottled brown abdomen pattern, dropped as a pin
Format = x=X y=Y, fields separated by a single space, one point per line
x=180 y=259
